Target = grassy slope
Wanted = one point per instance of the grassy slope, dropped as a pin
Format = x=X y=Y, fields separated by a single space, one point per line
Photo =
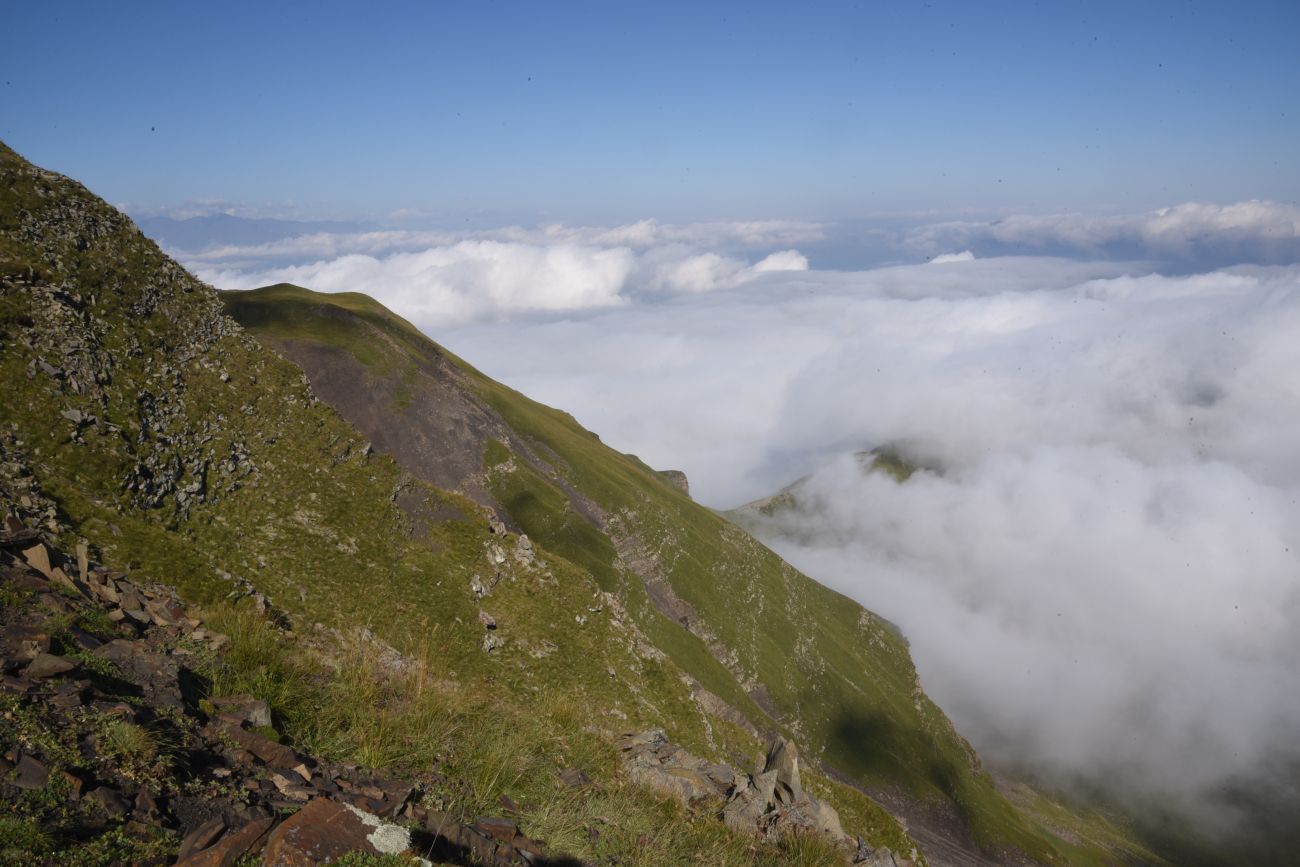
x=836 y=676
x=289 y=499
x=307 y=517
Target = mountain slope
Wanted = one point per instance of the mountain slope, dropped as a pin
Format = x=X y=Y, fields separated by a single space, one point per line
x=183 y=450
x=779 y=648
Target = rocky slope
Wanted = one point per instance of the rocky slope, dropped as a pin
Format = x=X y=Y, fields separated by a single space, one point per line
x=428 y=574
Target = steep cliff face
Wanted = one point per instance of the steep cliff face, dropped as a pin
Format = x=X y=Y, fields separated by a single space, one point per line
x=509 y=565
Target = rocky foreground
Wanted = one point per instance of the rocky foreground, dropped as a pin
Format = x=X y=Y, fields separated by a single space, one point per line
x=106 y=730
x=110 y=736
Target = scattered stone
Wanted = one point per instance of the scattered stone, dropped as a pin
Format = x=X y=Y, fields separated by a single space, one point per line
x=266 y=750
x=202 y=837
x=50 y=665
x=156 y=674
x=658 y=764
x=245 y=840
x=524 y=553
x=31 y=774
x=774 y=801
x=881 y=857
x=767 y=804
x=497 y=828
x=246 y=708
x=783 y=758
x=38 y=557
x=317 y=834
x=574 y=778
x=109 y=800
x=488 y=621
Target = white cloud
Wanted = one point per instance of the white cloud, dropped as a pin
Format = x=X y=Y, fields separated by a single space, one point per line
x=1253 y=231
x=946 y=258
x=465 y=280
x=783 y=260
x=436 y=278
x=1101 y=584
x=1117 y=443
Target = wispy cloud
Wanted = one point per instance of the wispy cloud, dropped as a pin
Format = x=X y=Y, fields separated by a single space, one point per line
x=1254 y=231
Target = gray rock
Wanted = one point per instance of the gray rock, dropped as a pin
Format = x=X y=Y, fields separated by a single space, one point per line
x=654 y=762
x=156 y=674
x=677 y=479
x=881 y=857
x=30 y=774
x=783 y=758
x=253 y=710
x=109 y=800
x=50 y=665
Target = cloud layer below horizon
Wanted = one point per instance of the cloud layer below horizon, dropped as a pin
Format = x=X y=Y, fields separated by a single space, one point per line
x=1101 y=576
x=440 y=278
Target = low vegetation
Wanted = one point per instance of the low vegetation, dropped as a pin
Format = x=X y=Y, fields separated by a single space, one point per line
x=184 y=451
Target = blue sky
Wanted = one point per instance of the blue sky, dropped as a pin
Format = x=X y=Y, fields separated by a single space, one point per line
x=680 y=111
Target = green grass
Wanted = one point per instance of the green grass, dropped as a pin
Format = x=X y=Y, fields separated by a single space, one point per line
x=485 y=743
x=312 y=522
x=848 y=688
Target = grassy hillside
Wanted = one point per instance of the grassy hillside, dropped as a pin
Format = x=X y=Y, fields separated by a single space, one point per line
x=783 y=650
x=183 y=450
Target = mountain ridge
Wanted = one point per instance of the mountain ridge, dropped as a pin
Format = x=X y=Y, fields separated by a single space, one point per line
x=177 y=446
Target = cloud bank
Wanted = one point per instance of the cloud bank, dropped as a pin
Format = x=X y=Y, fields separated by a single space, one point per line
x=435 y=279
x=1100 y=577
x=1254 y=231
x=1100 y=573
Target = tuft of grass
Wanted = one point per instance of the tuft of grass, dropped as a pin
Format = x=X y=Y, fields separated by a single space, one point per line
x=23 y=840
x=365 y=859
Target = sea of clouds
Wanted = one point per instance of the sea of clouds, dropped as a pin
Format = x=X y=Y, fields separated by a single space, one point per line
x=1099 y=572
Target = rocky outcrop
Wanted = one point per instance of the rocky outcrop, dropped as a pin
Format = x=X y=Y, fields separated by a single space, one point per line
x=654 y=762
x=774 y=800
x=676 y=479
x=768 y=804
x=102 y=698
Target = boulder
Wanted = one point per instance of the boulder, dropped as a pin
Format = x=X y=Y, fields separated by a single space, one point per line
x=109 y=800
x=50 y=665
x=750 y=803
x=249 y=708
x=30 y=774
x=230 y=848
x=676 y=479
x=156 y=674
x=324 y=830
x=783 y=758
x=869 y=857
x=266 y=750
x=38 y=557
x=654 y=762
x=201 y=837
